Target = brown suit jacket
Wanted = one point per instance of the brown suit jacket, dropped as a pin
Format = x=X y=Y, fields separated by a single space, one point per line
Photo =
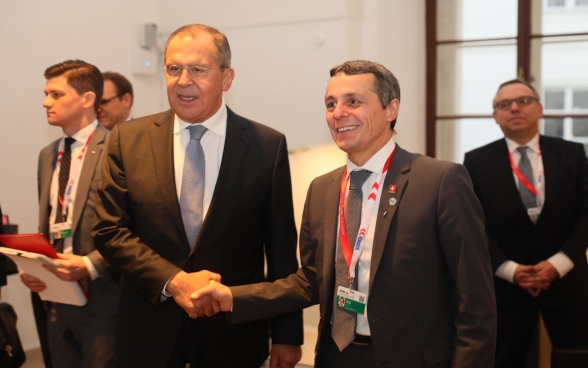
x=431 y=299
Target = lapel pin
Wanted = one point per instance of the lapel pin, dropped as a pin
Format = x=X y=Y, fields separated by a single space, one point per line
x=392 y=189
x=392 y=201
x=93 y=152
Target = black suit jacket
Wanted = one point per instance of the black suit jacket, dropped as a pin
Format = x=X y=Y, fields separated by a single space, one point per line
x=139 y=230
x=562 y=225
x=430 y=301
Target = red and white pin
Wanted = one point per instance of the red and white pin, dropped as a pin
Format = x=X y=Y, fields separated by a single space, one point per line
x=392 y=189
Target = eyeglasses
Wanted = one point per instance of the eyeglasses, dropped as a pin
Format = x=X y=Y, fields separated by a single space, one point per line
x=521 y=101
x=105 y=102
x=195 y=71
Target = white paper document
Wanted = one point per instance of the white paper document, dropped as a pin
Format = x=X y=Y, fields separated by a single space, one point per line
x=58 y=291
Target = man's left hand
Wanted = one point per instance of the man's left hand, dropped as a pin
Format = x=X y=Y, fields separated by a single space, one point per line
x=71 y=267
x=285 y=356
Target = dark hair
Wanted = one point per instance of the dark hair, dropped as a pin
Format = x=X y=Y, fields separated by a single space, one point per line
x=121 y=84
x=519 y=81
x=81 y=76
x=223 y=50
x=385 y=84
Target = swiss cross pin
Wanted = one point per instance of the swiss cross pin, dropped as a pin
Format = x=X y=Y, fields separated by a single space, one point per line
x=392 y=189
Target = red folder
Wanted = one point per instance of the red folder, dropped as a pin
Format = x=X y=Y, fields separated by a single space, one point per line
x=34 y=243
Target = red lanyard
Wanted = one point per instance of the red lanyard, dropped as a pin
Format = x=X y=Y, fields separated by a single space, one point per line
x=521 y=177
x=345 y=246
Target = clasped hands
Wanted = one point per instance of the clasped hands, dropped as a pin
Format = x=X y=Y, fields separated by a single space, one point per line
x=535 y=278
x=70 y=267
x=200 y=293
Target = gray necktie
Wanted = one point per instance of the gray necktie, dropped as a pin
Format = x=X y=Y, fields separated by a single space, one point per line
x=343 y=328
x=529 y=199
x=192 y=194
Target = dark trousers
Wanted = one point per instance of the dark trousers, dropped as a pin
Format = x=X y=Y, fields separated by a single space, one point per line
x=41 y=322
x=353 y=356
x=193 y=347
x=79 y=338
x=567 y=327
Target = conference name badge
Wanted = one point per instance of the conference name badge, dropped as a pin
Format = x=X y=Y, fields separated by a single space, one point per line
x=61 y=231
x=351 y=300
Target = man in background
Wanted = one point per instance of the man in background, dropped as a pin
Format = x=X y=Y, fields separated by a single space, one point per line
x=534 y=192
x=414 y=272
x=115 y=106
x=68 y=175
x=197 y=187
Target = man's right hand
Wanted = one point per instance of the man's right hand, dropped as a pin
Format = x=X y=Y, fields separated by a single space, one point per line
x=183 y=284
x=32 y=282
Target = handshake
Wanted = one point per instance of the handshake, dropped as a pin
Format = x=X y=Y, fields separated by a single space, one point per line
x=200 y=293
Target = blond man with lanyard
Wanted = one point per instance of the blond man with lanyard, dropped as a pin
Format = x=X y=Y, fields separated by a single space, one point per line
x=416 y=289
x=68 y=174
x=534 y=191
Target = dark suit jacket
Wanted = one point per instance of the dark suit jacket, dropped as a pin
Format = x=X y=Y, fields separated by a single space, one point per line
x=103 y=291
x=139 y=230
x=430 y=302
x=562 y=225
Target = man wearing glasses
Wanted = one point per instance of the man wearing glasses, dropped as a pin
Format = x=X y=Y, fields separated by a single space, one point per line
x=534 y=191
x=196 y=188
x=115 y=106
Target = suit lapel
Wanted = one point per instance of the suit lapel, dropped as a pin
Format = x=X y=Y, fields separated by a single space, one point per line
x=236 y=142
x=91 y=158
x=162 y=148
x=397 y=175
x=550 y=168
x=45 y=177
x=330 y=236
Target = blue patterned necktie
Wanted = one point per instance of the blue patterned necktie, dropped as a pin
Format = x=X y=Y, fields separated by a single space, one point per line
x=344 y=321
x=192 y=194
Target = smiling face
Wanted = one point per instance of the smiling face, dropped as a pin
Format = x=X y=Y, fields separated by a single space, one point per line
x=519 y=123
x=195 y=99
x=359 y=124
x=65 y=107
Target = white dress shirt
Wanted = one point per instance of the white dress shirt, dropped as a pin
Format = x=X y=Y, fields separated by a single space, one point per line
x=562 y=263
x=213 y=144
x=81 y=137
x=375 y=164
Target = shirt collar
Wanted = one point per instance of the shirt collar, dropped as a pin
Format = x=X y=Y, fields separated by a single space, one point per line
x=217 y=123
x=533 y=144
x=376 y=163
x=83 y=134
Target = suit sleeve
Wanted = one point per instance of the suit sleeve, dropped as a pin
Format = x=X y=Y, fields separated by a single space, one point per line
x=575 y=244
x=113 y=236
x=280 y=245
x=298 y=291
x=460 y=223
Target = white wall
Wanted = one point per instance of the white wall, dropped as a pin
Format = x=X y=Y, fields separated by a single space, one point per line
x=282 y=51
